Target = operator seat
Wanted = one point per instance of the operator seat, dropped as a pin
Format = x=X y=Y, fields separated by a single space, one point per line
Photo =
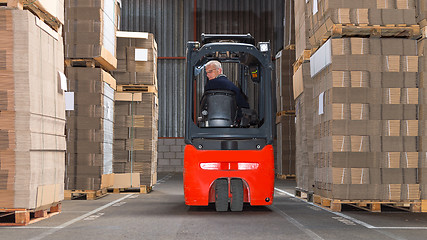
x=218 y=109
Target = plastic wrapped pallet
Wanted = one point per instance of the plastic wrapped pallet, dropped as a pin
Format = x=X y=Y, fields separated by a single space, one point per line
x=366 y=119
x=32 y=116
x=90 y=31
x=303 y=93
x=90 y=128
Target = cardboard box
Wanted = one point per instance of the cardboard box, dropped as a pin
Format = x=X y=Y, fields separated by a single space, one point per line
x=126 y=180
x=32 y=112
x=90 y=31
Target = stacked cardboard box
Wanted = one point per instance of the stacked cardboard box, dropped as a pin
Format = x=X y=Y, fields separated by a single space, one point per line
x=89 y=128
x=90 y=31
x=289 y=25
x=323 y=14
x=364 y=94
x=422 y=52
x=137 y=58
x=366 y=119
x=136 y=133
x=301 y=28
x=303 y=93
x=285 y=155
x=32 y=116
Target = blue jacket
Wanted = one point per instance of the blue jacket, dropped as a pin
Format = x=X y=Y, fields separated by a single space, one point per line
x=222 y=83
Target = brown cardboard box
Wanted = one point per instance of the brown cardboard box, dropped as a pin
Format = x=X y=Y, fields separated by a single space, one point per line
x=32 y=112
x=304 y=156
x=137 y=54
x=286 y=146
x=89 y=31
x=126 y=180
x=90 y=128
x=289 y=24
x=366 y=110
x=301 y=28
x=284 y=84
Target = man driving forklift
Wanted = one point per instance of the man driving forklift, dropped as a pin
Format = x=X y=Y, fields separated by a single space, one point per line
x=218 y=81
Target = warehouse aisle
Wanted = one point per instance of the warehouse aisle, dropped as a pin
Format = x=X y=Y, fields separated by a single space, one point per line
x=162 y=214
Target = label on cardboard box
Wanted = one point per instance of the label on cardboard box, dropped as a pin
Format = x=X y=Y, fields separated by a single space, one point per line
x=141 y=54
x=321 y=97
x=321 y=58
x=63 y=81
x=315 y=9
x=69 y=100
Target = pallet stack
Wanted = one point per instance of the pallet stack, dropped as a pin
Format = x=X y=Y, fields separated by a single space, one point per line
x=135 y=132
x=90 y=48
x=422 y=52
x=303 y=94
x=364 y=102
x=32 y=113
x=285 y=116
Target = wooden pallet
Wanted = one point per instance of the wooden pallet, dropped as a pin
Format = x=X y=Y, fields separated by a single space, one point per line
x=142 y=189
x=368 y=205
x=145 y=189
x=22 y=217
x=329 y=29
x=303 y=58
x=89 y=194
x=304 y=195
x=36 y=8
x=137 y=88
x=286 y=176
x=83 y=62
x=390 y=30
x=290 y=47
x=286 y=113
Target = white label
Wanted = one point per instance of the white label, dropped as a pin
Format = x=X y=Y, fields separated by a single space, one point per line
x=63 y=81
x=315 y=10
x=69 y=101
x=141 y=54
x=321 y=96
x=321 y=58
x=124 y=34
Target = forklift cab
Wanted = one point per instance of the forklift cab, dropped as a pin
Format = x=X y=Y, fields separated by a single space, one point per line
x=214 y=114
x=229 y=157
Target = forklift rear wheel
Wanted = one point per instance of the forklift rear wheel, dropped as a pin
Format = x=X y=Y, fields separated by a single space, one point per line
x=221 y=195
x=236 y=204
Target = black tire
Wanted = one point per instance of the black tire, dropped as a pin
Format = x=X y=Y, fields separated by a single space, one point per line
x=221 y=195
x=236 y=203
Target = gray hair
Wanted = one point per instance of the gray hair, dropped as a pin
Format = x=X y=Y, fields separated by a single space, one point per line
x=216 y=63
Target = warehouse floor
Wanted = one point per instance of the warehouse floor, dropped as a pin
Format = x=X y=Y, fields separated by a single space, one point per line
x=162 y=214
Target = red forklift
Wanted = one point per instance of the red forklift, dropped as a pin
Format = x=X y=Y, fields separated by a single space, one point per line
x=228 y=158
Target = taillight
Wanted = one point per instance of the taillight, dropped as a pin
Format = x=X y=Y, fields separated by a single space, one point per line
x=247 y=166
x=210 y=166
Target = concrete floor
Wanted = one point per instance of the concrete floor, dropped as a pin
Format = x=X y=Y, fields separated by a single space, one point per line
x=162 y=214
